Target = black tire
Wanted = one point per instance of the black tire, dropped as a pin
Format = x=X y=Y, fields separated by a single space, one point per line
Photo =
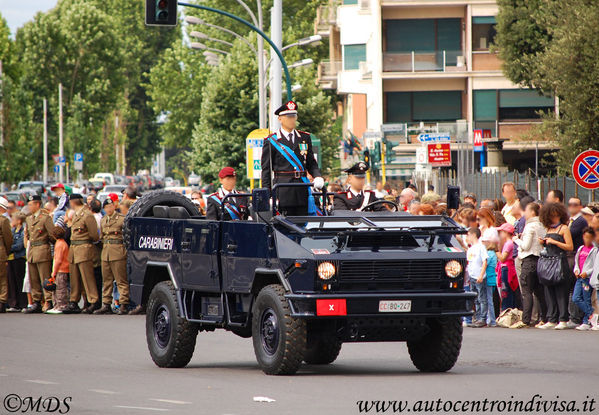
x=171 y=339
x=143 y=207
x=438 y=350
x=279 y=339
x=323 y=349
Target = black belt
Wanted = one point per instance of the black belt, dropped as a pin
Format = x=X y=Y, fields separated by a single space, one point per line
x=113 y=241
x=81 y=242
x=295 y=174
x=39 y=243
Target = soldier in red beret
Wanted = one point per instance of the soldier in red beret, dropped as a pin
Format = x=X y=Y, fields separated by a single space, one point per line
x=233 y=208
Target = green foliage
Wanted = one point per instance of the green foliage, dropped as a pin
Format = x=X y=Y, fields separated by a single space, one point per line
x=552 y=45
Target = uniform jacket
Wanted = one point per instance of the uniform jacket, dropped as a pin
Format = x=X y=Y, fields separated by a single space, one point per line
x=274 y=161
x=112 y=230
x=38 y=231
x=5 y=240
x=214 y=209
x=348 y=201
x=83 y=228
x=576 y=228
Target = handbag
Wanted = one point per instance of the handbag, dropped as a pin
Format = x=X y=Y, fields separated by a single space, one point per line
x=550 y=269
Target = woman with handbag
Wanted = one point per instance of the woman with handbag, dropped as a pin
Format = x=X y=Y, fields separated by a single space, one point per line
x=552 y=268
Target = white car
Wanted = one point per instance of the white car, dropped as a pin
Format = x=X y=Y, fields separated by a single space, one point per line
x=107 y=177
x=102 y=196
x=193 y=179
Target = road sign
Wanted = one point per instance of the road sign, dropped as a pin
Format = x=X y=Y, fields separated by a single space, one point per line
x=439 y=154
x=56 y=168
x=253 y=151
x=78 y=157
x=62 y=160
x=585 y=169
x=478 y=140
x=434 y=137
x=421 y=155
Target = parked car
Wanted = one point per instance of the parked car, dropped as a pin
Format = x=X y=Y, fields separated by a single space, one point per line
x=96 y=184
x=193 y=180
x=19 y=197
x=39 y=187
x=107 y=177
x=102 y=196
x=114 y=188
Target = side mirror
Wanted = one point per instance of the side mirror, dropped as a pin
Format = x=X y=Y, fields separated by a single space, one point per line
x=261 y=200
x=453 y=197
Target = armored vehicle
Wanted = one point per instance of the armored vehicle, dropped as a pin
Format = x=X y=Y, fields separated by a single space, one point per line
x=300 y=287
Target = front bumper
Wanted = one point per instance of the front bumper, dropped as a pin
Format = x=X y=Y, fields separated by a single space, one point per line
x=423 y=304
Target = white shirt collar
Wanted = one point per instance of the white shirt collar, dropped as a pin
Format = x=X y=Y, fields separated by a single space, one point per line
x=288 y=134
x=223 y=193
x=355 y=193
x=576 y=216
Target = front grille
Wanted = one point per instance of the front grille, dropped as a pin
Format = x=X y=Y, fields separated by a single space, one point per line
x=392 y=275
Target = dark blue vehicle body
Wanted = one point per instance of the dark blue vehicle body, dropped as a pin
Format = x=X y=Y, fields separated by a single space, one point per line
x=218 y=267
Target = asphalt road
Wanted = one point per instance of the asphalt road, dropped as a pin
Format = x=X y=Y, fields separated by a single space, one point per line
x=102 y=363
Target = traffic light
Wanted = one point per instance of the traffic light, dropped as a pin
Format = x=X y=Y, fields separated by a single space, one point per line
x=161 y=12
x=367 y=157
x=376 y=154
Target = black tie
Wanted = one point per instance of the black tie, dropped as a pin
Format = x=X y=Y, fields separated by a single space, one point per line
x=290 y=137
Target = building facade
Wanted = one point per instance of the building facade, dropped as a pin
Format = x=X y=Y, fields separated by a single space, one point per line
x=406 y=67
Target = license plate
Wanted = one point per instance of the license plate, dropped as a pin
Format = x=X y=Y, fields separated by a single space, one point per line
x=395 y=306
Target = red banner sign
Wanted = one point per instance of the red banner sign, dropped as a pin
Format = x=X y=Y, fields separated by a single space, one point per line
x=439 y=154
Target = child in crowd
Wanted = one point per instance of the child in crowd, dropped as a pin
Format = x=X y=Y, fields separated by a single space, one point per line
x=583 y=269
x=477 y=270
x=507 y=279
x=491 y=279
x=60 y=271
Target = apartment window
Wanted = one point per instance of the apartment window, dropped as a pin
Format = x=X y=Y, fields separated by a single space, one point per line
x=483 y=32
x=425 y=36
x=350 y=1
x=353 y=55
x=523 y=104
x=485 y=105
x=423 y=106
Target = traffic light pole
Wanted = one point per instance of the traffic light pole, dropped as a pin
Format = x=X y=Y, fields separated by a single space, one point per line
x=255 y=29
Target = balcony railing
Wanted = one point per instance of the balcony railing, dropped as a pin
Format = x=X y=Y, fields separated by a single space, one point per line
x=438 y=61
x=329 y=69
x=326 y=16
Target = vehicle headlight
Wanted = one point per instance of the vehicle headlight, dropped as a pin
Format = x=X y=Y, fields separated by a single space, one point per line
x=453 y=268
x=326 y=271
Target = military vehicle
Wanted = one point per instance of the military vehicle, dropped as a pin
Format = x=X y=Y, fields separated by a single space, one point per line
x=300 y=287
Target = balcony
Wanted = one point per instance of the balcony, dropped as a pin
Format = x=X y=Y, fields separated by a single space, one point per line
x=326 y=16
x=438 y=61
x=327 y=73
x=485 y=61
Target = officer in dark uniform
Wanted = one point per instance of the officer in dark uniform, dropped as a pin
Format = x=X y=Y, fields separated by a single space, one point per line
x=355 y=197
x=234 y=208
x=287 y=157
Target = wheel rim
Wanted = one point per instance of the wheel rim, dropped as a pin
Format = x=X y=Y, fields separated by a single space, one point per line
x=162 y=326
x=269 y=331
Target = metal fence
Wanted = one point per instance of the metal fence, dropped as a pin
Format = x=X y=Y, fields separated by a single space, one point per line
x=488 y=185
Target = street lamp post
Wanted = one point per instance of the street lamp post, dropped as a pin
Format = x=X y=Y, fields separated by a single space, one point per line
x=201 y=46
x=275 y=48
x=204 y=36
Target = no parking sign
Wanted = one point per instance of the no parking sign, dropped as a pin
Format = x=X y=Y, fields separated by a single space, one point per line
x=585 y=169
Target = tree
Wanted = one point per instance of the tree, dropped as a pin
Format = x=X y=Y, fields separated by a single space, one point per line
x=551 y=45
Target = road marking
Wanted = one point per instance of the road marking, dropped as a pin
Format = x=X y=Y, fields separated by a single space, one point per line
x=142 y=408
x=103 y=391
x=41 y=382
x=171 y=401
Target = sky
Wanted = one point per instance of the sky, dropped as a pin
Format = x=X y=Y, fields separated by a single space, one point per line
x=17 y=12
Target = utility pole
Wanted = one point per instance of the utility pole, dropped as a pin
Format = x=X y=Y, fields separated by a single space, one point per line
x=262 y=93
x=116 y=144
x=276 y=35
x=60 y=138
x=45 y=173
